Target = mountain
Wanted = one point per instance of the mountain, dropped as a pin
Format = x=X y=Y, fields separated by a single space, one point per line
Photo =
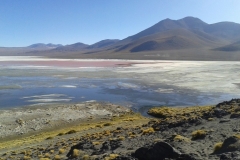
x=226 y=30
x=72 y=47
x=103 y=43
x=188 y=32
x=42 y=45
x=168 y=24
x=231 y=47
x=172 y=40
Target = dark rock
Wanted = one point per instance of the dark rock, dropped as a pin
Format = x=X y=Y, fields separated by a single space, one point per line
x=157 y=151
x=83 y=145
x=230 y=156
x=235 y=115
x=225 y=157
x=105 y=146
x=235 y=130
x=186 y=157
x=219 y=113
x=224 y=135
x=114 y=144
x=111 y=145
x=224 y=120
x=125 y=158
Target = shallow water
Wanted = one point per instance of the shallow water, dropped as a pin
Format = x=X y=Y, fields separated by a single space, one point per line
x=137 y=83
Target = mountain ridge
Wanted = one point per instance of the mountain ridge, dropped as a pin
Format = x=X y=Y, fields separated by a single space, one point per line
x=173 y=39
x=43 y=45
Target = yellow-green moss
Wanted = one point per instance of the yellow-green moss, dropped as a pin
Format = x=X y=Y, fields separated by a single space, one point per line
x=237 y=135
x=198 y=134
x=148 y=131
x=57 y=157
x=218 y=146
x=210 y=119
x=61 y=151
x=76 y=153
x=121 y=138
x=181 y=138
x=111 y=157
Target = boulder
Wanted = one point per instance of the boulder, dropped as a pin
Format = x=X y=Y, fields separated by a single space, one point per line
x=157 y=151
x=230 y=144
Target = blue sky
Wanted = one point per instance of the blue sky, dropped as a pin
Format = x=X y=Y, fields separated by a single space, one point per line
x=24 y=22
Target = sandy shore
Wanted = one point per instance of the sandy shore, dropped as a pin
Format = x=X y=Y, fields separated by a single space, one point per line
x=34 y=119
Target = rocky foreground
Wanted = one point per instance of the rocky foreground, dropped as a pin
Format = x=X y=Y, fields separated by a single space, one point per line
x=207 y=132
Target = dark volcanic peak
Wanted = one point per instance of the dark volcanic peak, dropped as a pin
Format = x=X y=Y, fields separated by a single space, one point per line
x=42 y=45
x=103 y=43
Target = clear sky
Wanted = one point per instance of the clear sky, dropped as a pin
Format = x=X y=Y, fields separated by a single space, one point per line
x=24 y=22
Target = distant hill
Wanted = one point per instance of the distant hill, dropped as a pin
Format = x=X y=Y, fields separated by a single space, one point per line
x=103 y=43
x=231 y=47
x=72 y=47
x=42 y=45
